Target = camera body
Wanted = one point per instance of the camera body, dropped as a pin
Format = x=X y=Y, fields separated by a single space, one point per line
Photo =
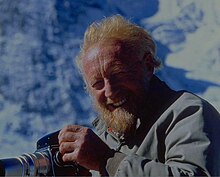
x=45 y=161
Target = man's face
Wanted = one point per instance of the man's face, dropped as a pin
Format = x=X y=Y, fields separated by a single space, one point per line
x=117 y=80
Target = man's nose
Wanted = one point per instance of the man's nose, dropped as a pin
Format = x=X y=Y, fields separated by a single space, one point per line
x=110 y=91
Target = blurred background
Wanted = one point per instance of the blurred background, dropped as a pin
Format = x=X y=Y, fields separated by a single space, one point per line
x=40 y=87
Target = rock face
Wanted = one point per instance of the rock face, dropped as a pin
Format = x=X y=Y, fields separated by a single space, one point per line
x=40 y=87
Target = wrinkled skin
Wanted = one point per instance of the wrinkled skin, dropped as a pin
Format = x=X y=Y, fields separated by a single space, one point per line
x=113 y=73
x=81 y=145
x=116 y=78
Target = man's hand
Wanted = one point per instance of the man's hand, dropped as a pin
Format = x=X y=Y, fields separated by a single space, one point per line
x=81 y=145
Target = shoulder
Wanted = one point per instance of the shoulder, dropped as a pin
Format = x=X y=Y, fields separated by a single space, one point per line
x=188 y=110
x=188 y=102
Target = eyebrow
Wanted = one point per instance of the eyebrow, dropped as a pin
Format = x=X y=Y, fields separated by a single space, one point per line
x=116 y=67
x=125 y=67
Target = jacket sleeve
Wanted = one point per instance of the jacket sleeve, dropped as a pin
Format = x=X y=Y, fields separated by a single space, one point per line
x=186 y=146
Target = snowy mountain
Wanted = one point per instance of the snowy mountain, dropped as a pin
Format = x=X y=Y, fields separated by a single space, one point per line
x=40 y=87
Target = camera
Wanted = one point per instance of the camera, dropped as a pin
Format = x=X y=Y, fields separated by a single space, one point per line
x=45 y=161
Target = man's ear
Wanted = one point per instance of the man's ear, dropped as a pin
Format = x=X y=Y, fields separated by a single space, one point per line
x=148 y=61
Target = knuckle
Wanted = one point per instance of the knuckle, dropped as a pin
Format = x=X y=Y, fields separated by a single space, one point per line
x=77 y=128
x=67 y=128
x=71 y=128
x=65 y=137
x=63 y=130
x=70 y=136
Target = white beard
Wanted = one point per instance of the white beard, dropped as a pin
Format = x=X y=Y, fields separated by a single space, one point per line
x=122 y=123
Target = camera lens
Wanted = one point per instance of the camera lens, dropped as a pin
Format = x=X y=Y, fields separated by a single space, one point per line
x=26 y=165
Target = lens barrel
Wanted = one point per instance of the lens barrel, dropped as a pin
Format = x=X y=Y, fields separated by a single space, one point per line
x=35 y=164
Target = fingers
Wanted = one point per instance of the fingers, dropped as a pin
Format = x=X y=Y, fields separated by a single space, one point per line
x=67 y=147
x=70 y=128
x=69 y=137
x=72 y=156
x=77 y=144
x=69 y=133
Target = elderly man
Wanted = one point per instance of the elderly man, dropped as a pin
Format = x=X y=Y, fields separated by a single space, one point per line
x=144 y=128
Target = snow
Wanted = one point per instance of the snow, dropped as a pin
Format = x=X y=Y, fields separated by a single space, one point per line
x=198 y=50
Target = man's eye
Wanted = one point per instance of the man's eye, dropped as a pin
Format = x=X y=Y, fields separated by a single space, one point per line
x=98 y=85
x=119 y=74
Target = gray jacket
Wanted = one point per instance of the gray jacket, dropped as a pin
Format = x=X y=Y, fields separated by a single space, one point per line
x=178 y=138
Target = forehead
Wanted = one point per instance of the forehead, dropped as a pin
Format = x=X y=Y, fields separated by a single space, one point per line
x=108 y=52
x=103 y=51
